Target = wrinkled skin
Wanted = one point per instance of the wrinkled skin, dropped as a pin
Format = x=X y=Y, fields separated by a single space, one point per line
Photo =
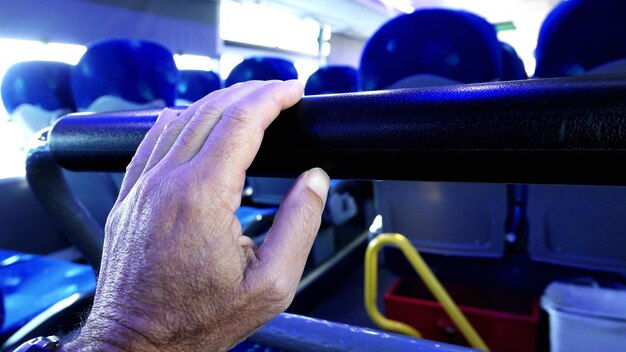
x=177 y=273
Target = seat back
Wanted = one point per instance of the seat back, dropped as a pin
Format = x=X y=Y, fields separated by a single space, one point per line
x=512 y=65
x=580 y=35
x=113 y=75
x=195 y=84
x=35 y=94
x=332 y=79
x=124 y=74
x=580 y=226
x=428 y=48
x=262 y=68
x=33 y=283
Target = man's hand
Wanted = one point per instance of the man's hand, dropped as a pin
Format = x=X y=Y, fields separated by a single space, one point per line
x=177 y=273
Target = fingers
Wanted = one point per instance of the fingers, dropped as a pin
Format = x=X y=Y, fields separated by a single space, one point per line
x=235 y=140
x=288 y=243
x=143 y=159
x=137 y=165
x=195 y=134
x=174 y=127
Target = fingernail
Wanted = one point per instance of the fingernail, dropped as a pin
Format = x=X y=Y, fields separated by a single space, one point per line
x=318 y=181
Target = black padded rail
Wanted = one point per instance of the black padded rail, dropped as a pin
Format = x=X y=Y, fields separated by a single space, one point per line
x=564 y=130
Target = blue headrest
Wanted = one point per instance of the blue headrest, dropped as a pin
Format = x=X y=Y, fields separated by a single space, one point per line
x=579 y=35
x=45 y=84
x=263 y=69
x=137 y=71
x=450 y=43
x=195 y=84
x=332 y=79
x=512 y=65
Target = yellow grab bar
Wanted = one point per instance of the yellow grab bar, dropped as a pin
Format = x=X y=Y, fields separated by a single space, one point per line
x=435 y=287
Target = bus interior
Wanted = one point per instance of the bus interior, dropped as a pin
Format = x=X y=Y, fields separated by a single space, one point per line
x=473 y=149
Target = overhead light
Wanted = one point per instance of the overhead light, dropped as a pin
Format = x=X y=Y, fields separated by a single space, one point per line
x=273 y=28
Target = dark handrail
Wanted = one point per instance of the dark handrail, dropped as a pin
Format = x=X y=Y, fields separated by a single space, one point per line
x=532 y=131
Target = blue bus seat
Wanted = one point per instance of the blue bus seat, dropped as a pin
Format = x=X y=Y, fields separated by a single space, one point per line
x=36 y=93
x=580 y=226
x=262 y=68
x=124 y=74
x=434 y=47
x=195 y=84
x=32 y=283
x=579 y=35
x=114 y=75
x=333 y=79
x=512 y=66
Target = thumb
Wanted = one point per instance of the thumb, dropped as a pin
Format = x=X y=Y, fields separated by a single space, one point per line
x=284 y=253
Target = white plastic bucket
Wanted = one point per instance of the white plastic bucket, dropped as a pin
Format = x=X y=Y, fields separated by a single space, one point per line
x=585 y=317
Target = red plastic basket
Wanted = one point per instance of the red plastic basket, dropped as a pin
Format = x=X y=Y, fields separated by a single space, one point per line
x=505 y=319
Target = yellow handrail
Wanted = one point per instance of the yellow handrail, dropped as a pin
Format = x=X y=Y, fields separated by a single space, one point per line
x=435 y=287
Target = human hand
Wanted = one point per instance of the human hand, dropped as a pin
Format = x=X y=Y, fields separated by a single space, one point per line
x=177 y=273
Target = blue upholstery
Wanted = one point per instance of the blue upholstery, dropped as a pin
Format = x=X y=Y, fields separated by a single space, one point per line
x=512 y=65
x=579 y=35
x=35 y=94
x=262 y=68
x=580 y=226
x=333 y=79
x=136 y=71
x=427 y=48
x=44 y=84
x=195 y=84
x=32 y=283
x=449 y=43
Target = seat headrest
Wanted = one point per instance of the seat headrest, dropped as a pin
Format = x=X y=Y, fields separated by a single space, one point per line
x=195 y=84
x=44 y=84
x=137 y=71
x=454 y=44
x=579 y=35
x=512 y=65
x=332 y=79
x=262 y=68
